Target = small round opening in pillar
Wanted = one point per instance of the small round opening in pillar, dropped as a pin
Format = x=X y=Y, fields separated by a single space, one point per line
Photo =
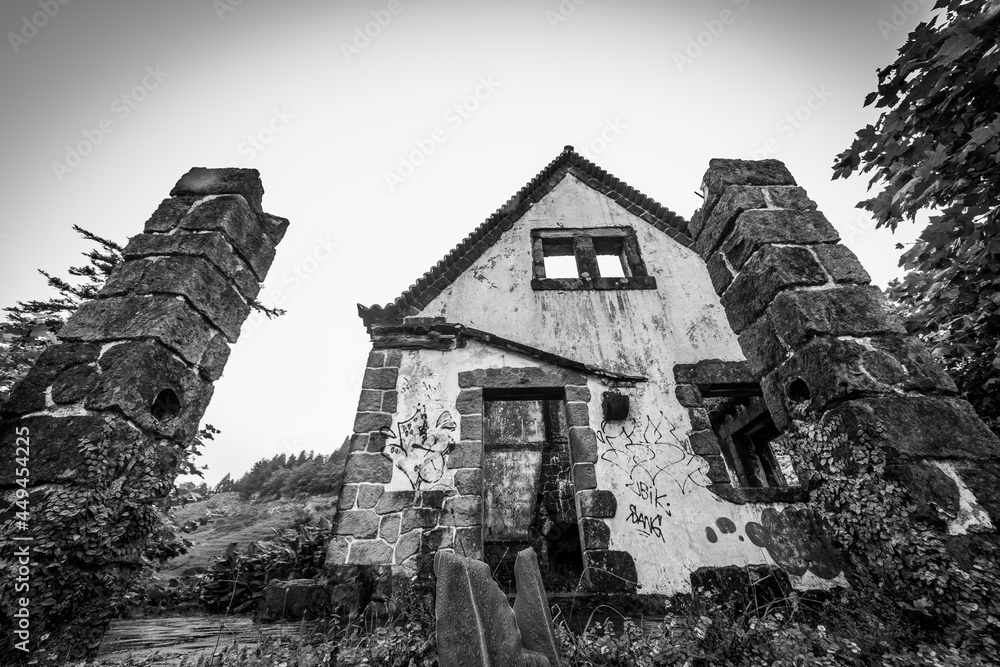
x=798 y=391
x=166 y=405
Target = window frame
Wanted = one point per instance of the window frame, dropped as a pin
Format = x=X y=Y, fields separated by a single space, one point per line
x=587 y=243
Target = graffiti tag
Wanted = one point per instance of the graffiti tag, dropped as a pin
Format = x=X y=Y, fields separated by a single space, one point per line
x=649 y=525
x=420 y=451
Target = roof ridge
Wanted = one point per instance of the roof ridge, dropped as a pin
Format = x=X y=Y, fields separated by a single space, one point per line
x=458 y=259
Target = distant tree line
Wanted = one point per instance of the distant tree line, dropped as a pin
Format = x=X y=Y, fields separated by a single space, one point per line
x=286 y=476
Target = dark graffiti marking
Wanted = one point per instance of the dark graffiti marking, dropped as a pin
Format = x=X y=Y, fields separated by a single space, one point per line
x=650 y=526
x=420 y=451
x=644 y=451
x=793 y=539
x=650 y=495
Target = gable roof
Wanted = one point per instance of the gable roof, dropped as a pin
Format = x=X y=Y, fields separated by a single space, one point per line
x=445 y=272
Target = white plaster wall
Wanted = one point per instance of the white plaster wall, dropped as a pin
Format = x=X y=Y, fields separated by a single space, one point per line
x=639 y=332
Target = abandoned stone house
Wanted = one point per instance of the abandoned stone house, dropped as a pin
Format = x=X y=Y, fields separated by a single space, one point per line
x=568 y=378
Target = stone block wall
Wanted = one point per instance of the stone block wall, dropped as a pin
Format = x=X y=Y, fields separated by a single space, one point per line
x=819 y=339
x=108 y=411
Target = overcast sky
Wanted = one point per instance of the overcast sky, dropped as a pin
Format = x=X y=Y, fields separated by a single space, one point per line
x=386 y=130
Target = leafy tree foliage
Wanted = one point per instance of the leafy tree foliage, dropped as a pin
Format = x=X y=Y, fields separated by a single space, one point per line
x=936 y=148
x=287 y=476
x=31 y=326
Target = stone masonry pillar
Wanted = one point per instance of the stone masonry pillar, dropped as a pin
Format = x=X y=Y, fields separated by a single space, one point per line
x=821 y=342
x=93 y=435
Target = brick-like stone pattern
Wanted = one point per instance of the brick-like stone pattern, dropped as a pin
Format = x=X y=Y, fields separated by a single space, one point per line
x=135 y=369
x=805 y=314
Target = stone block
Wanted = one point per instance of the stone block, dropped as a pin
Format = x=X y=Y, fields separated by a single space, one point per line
x=472 y=427
x=213 y=360
x=366 y=422
x=69 y=360
x=579 y=393
x=395 y=501
x=376 y=359
x=433 y=498
x=380 y=378
x=469 y=481
x=168 y=214
x=596 y=534
x=370 y=552
x=389 y=401
x=348 y=496
x=771 y=270
x=359 y=442
x=369 y=495
x=718 y=272
x=699 y=419
x=242 y=227
x=470 y=402
x=584 y=476
x=834 y=369
x=165 y=318
x=713 y=371
x=719 y=223
x=389 y=528
x=842 y=264
x=305 y=599
x=193 y=278
x=466 y=455
x=756 y=229
x=143 y=380
x=724 y=172
x=360 y=524
x=531 y=609
x=577 y=414
x=583 y=444
x=436 y=539
x=376 y=442
x=597 y=504
x=365 y=467
x=705 y=443
x=370 y=401
x=610 y=571
x=211 y=246
x=716 y=472
x=407 y=545
x=393 y=358
x=934 y=494
x=849 y=310
x=419 y=517
x=462 y=511
x=761 y=347
x=922 y=426
x=200 y=182
x=688 y=395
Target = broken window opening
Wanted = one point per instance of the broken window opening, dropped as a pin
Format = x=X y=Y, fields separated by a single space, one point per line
x=754 y=449
x=528 y=490
x=599 y=258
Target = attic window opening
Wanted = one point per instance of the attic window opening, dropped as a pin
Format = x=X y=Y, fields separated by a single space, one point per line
x=752 y=446
x=600 y=258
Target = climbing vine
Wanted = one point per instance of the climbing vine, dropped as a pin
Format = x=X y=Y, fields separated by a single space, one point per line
x=890 y=550
x=87 y=541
